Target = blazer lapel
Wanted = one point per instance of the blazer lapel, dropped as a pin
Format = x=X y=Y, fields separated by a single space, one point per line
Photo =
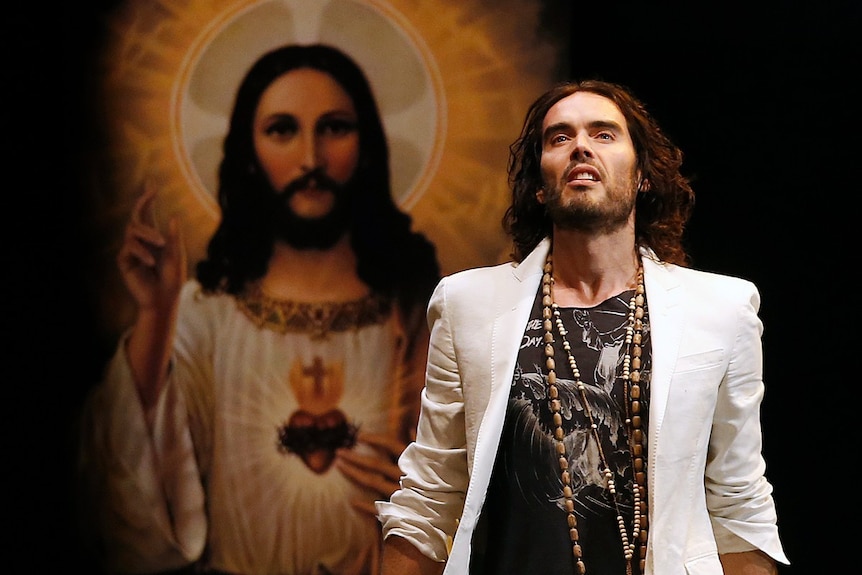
x=515 y=289
x=664 y=296
x=514 y=294
x=515 y=300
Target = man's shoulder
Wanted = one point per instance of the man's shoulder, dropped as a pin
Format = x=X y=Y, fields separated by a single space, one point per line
x=711 y=284
x=479 y=274
x=473 y=287
x=711 y=277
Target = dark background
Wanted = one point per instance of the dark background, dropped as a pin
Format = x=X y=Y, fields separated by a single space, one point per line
x=759 y=96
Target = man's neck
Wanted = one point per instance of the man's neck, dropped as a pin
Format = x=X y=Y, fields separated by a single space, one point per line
x=588 y=269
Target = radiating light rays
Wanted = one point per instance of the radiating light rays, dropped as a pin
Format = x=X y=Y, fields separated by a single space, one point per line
x=485 y=62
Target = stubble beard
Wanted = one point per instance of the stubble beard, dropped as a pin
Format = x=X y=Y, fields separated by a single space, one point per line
x=578 y=212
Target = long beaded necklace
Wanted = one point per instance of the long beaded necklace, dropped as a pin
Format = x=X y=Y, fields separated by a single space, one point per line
x=632 y=395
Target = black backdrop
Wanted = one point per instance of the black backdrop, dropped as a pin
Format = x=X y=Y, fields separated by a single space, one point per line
x=758 y=96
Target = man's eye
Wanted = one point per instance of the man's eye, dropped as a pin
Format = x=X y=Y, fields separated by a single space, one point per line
x=559 y=138
x=605 y=136
x=337 y=127
x=282 y=127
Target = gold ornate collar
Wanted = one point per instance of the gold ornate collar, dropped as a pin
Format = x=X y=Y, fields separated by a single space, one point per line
x=315 y=319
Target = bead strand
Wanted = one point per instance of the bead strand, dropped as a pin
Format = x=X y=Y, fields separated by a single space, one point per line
x=553 y=394
x=630 y=375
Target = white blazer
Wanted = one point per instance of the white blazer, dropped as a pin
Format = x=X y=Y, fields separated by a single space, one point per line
x=707 y=489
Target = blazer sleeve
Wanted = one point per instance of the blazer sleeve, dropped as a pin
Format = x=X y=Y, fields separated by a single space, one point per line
x=434 y=482
x=739 y=497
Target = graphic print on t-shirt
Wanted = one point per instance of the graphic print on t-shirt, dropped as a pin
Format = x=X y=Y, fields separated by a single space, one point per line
x=525 y=509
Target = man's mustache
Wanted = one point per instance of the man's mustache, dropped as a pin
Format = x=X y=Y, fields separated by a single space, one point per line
x=316 y=179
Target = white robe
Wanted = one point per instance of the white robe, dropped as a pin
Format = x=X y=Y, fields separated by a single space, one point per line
x=208 y=473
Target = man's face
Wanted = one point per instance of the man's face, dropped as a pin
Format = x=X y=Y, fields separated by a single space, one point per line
x=588 y=164
x=305 y=126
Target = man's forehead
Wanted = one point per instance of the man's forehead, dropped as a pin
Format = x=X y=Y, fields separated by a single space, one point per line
x=585 y=106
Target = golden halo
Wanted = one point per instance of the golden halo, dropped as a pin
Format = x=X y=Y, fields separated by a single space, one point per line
x=413 y=111
x=452 y=79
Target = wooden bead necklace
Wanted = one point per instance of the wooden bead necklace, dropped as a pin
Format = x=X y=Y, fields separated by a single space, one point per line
x=632 y=395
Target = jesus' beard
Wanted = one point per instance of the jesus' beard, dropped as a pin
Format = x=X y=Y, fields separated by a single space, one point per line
x=319 y=233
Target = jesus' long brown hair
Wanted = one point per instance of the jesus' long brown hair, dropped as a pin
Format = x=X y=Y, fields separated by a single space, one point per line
x=392 y=259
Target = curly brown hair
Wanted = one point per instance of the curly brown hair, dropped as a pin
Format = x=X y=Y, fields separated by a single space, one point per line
x=661 y=212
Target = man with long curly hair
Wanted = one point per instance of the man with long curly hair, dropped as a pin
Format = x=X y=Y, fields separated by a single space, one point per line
x=592 y=406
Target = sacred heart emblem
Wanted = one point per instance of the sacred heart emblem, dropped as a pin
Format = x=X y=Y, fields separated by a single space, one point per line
x=317 y=429
x=315 y=438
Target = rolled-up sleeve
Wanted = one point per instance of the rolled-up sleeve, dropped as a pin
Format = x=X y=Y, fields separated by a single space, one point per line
x=739 y=497
x=434 y=482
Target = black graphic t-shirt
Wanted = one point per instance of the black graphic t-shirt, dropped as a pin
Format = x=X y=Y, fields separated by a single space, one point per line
x=523 y=528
